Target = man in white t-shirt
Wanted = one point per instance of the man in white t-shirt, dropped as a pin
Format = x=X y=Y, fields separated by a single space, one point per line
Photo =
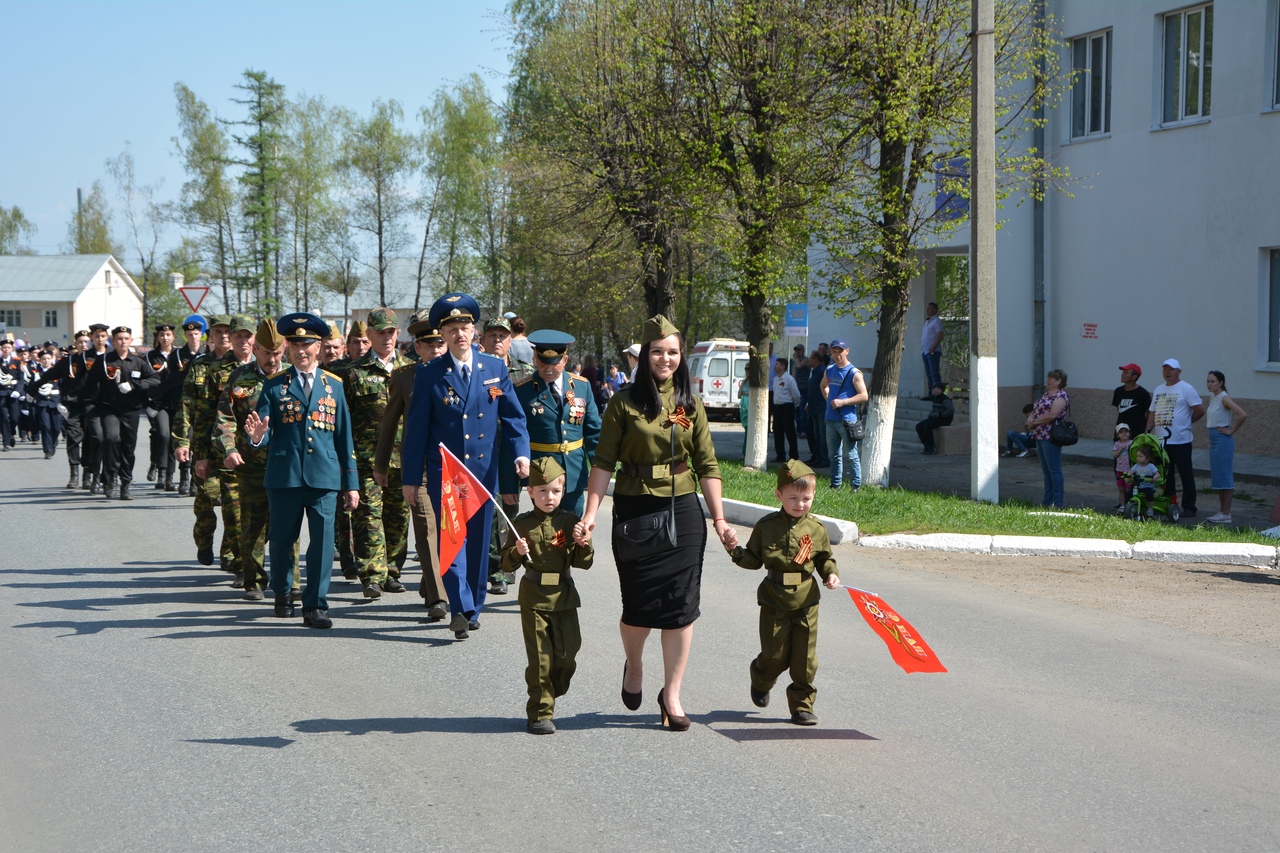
x=931 y=348
x=1175 y=406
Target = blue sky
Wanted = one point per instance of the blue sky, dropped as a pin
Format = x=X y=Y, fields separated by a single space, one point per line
x=83 y=78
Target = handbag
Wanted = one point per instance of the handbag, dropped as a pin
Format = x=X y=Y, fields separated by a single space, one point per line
x=855 y=430
x=1063 y=432
x=654 y=532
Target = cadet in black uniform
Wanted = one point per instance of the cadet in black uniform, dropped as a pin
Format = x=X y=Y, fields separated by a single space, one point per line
x=120 y=382
x=160 y=416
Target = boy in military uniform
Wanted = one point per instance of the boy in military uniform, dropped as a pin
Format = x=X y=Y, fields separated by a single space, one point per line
x=791 y=545
x=548 y=598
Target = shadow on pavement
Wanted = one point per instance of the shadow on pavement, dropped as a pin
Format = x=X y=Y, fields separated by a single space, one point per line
x=270 y=742
x=1258 y=577
x=467 y=725
x=763 y=727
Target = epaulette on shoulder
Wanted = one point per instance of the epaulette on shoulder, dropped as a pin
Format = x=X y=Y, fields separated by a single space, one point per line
x=524 y=380
x=411 y=366
x=573 y=375
x=333 y=376
x=278 y=373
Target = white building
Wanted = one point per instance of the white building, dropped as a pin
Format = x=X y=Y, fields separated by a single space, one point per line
x=50 y=297
x=1170 y=246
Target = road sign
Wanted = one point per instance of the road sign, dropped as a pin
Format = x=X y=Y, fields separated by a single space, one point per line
x=796 y=320
x=195 y=296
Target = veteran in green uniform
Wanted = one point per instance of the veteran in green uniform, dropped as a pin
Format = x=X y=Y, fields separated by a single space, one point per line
x=207 y=458
x=496 y=341
x=549 y=600
x=380 y=525
x=249 y=463
x=205 y=489
x=791 y=545
x=427 y=344
x=357 y=346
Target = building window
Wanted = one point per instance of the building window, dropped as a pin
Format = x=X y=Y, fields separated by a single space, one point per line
x=1091 y=85
x=1188 y=63
x=1273 y=336
x=51 y=319
x=11 y=318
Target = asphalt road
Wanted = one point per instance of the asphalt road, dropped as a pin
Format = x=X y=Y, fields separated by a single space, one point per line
x=147 y=708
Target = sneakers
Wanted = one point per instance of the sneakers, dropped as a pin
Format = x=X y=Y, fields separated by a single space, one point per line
x=1023 y=455
x=1219 y=518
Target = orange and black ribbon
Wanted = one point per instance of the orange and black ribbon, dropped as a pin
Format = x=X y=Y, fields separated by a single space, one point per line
x=806 y=550
x=679 y=417
x=559 y=540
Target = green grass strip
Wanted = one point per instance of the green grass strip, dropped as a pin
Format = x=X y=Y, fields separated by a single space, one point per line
x=896 y=510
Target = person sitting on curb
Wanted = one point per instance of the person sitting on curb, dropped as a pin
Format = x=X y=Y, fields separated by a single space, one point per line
x=1017 y=442
x=942 y=413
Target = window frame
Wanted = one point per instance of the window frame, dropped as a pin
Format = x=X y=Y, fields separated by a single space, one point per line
x=11 y=317
x=1204 y=70
x=726 y=359
x=1087 y=74
x=51 y=318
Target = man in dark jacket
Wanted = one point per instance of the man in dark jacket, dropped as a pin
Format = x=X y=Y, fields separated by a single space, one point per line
x=942 y=413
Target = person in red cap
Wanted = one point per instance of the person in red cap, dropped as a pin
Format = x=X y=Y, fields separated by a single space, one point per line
x=1131 y=400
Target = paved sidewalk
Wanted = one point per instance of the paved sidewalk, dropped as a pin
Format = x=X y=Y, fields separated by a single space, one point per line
x=1086 y=468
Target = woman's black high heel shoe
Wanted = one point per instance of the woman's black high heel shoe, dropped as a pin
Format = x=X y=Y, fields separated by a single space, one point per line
x=676 y=723
x=631 y=700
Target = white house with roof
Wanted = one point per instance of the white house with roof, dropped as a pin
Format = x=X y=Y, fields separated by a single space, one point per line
x=1169 y=246
x=50 y=297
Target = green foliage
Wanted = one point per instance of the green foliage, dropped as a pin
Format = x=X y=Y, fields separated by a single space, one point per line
x=14 y=228
x=261 y=178
x=89 y=230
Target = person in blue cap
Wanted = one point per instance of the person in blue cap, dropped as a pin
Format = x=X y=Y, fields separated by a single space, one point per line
x=302 y=413
x=459 y=400
x=564 y=421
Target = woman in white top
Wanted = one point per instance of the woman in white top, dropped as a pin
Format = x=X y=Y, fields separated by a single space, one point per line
x=1222 y=418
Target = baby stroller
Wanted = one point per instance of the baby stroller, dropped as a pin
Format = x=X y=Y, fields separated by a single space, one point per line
x=1162 y=504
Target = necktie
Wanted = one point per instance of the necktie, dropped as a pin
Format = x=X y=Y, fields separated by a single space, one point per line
x=306 y=385
x=466 y=374
x=555 y=392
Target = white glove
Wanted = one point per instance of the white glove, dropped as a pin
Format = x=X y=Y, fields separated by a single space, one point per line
x=25 y=412
x=14 y=394
x=151 y=413
x=62 y=410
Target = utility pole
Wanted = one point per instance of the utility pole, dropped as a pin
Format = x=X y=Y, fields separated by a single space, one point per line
x=79 y=219
x=984 y=409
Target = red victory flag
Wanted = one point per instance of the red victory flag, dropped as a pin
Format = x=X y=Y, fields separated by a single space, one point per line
x=908 y=648
x=461 y=496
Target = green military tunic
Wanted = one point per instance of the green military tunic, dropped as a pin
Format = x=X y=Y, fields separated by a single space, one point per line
x=238 y=399
x=549 y=604
x=206 y=490
x=627 y=436
x=204 y=423
x=792 y=550
x=380 y=524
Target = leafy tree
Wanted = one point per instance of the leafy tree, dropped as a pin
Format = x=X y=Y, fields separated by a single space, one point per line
x=378 y=156
x=14 y=228
x=89 y=231
x=261 y=180
x=144 y=219
x=207 y=203
x=311 y=150
x=909 y=87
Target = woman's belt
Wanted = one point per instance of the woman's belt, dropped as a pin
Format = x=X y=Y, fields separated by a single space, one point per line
x=653 y=472
x=562 y=447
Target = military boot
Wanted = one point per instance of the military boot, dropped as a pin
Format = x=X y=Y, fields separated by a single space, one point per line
x=161 y=476
x=124 y=492
x=75 y=477
x=109 y=487
x=168 y=481
x=151 y=473
x=184 y=483
x=95 y=485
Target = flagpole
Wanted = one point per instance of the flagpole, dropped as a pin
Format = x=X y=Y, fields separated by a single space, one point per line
x=496 y=505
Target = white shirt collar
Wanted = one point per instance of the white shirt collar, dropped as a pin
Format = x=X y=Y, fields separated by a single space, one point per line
x=458 y=365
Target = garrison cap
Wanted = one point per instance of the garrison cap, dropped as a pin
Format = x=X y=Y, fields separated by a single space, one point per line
x=97 y=327
x=268 y=335
x=334 y=332
x=454 y=308
x=358 y=329
x=792 y=471
x=544 y=470
x=301 y=326
x=498 y=323
x=193 y=322
x=550 y=345
x=656 y=328
x=164 y=327
x=381 y=319
x=118 y=329
x=241 y=323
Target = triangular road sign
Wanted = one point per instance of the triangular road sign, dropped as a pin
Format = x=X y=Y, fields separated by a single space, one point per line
x=194 y=296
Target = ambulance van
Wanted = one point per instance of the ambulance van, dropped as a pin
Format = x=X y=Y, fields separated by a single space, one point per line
x=716 y=370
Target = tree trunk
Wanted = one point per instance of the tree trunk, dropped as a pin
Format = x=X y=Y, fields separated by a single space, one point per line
x=759 y=327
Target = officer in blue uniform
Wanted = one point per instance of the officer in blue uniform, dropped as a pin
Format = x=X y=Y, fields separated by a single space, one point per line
x=564 y=421
x=302 y=413
x=458 y=400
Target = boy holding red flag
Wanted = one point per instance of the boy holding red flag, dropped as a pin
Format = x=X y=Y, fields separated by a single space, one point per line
x=791 y=545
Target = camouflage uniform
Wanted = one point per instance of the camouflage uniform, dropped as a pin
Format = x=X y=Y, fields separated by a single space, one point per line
x=202 y=447
x=206 y=491
x=343 y=546
x=381 y=521
x=238 y=399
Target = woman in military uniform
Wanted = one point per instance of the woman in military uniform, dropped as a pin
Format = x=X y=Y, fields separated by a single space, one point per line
x=659 y=591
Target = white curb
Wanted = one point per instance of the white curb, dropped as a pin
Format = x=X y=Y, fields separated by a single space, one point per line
x=1221 y=553
x=747 y=514
x=1060 y=546
x=966 y=543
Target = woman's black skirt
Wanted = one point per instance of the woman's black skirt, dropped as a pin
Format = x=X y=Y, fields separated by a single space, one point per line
x=664 y=590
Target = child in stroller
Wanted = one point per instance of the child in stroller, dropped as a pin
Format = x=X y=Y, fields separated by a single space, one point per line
x=1149 y=466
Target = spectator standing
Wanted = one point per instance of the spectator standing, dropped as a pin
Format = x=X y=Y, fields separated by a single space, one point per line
x=520 y=348
x=844 y=390
x=1175 y=406
x=1131 y=400
x=815 y=408
x=1120 y=453
x=942 y=413
x=931 y=347
x=1222 y=417
x=786 y=395
x=1051 y=406
x=800 y=371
